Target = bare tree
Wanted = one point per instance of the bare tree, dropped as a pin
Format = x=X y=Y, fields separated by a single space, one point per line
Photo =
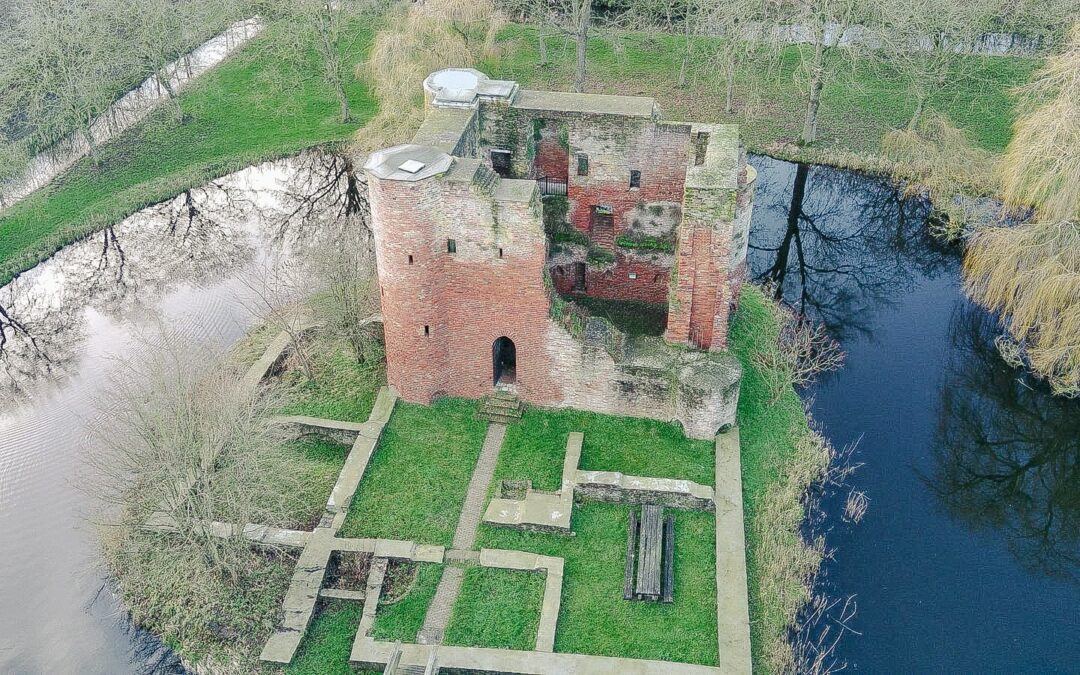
x=925 y=39
x=732 y=21
x=276 y=291
x=62 y=71
x=826 y=22
x=13 y=159
x=803 y=350
x=325 y=27
x=345 y=269
x=158 y=32
x=568 y=18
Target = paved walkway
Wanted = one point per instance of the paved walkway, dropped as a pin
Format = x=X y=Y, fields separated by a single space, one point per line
x=732 y=603
x=438 y=615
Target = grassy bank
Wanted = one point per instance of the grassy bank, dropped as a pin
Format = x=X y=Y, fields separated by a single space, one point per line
x=251 y=108
x=239 y=114
x=856 y=111
x=781 y=457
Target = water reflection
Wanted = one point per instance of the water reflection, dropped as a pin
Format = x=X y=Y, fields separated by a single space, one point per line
x=841 y=250
x=197 y=238
x=1007 y=453
x=973 y=471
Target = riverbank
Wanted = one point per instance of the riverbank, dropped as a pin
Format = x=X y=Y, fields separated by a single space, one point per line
x=252 y=108
x=239 y=114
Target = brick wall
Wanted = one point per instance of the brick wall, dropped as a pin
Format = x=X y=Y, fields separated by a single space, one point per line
x=613 y=282
x=552 y=159
x=468 y=299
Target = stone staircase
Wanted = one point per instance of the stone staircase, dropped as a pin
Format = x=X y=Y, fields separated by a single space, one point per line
x=501 y=407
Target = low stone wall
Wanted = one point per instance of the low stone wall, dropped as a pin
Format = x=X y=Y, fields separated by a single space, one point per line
x=612 y=486
x=609 y=372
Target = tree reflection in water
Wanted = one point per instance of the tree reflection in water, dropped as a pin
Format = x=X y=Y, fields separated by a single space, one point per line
x=1007 y=453
x=200 y=237
x=838 y=244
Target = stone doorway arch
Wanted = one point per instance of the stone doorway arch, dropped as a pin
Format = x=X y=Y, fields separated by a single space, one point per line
x=504 y=361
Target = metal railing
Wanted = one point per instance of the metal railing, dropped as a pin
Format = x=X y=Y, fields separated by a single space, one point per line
x=552 y=186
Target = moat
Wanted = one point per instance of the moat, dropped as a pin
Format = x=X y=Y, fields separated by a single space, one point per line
x=969 y=549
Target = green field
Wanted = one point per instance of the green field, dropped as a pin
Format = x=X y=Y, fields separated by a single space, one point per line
x=857 y=108
x=415 y=484
x=497 y=608
x=594 y=618
x=238 y=114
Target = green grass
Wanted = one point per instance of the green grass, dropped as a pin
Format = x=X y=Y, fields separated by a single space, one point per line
x=594 y=618
x=237 y=117
x=342 y=389
x=857 y=108
x=327 y=643
x=534 y=448
x=416 y=482
x=497 y=608
x=404 y=619
x=768 y=433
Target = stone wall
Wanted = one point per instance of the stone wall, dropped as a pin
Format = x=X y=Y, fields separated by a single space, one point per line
x=463 y=256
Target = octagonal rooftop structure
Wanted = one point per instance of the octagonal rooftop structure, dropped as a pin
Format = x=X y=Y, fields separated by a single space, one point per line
x=408 y=163
x=463 y=88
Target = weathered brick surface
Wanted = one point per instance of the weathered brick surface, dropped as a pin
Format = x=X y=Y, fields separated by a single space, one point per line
x=613 y=282
x=552 y=156
x=443 y=311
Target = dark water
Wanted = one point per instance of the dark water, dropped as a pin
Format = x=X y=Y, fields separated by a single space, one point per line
x=966 y=562
x=180 y=266
x=968 y=559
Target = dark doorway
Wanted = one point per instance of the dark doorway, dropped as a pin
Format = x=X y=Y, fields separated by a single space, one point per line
x=504 y=361
x=500 y=162
x=579 y=277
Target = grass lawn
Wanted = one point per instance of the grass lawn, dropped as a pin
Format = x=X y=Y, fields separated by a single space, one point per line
x=328 y=642
x=416 y=482
x=236 y=116
x=319 y=461
x=856 y=110
x=404 y=619
x=343 y=389
x=534 y=448
x=768 y=433
x=497 y=608
x=594 y=618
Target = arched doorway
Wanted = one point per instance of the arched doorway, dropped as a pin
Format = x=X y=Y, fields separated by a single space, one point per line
x=504 y=361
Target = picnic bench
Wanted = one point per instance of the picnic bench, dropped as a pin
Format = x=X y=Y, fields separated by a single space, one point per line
x=650 y=556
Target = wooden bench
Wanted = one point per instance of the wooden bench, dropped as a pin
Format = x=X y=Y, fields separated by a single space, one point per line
x=652 y=538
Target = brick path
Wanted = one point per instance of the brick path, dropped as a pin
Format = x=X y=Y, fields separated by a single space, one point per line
x=438 y=615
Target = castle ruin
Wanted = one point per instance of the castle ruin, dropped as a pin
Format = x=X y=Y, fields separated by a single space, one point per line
x=510 y=206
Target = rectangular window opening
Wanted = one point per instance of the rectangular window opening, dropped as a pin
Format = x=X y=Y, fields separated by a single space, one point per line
x=500 y=252
x=635 y=178
x=451 y=246
x=410 y=260
x=582 y=164
x=633 y=275
x=500 y=163
x=427 y=330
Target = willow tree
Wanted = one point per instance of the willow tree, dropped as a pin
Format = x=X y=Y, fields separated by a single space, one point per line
x=1031 y=273
x=433 y=35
